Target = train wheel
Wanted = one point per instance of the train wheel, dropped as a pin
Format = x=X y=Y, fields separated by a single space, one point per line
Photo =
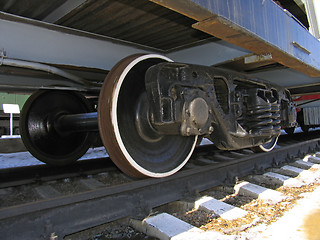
x=289 y=131
x=125 y=126
x=267 y=147
x=305 y=128
x=37 y=131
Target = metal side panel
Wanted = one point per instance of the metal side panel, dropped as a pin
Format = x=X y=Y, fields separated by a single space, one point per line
x=208 y=53
x=287 y=77
x=311 y=115
x=32 y=40
x=260 y=26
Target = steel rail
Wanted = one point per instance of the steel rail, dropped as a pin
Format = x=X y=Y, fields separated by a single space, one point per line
x=12 y=177
x=73 y=213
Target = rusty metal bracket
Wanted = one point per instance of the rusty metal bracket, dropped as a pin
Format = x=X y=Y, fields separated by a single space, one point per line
x=258 y=58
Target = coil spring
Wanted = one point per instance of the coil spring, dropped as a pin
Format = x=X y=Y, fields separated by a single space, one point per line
x=263 y=118
x=275 y=110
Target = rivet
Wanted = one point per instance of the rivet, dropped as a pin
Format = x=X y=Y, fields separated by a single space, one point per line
x=188 y=131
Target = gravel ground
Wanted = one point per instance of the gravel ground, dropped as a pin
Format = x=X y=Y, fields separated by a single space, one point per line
x=118 y=230
x=254 y=226
x=260 y=215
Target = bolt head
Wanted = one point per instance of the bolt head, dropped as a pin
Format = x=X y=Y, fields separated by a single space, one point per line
x=188 y=131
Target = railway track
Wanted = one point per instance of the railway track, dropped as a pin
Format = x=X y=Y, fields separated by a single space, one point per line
x=78 y=199
x=11 y=177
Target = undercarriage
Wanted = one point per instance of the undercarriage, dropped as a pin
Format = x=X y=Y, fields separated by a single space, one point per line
x=151 y=113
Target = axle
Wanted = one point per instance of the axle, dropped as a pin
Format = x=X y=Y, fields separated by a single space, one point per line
x=83 y=122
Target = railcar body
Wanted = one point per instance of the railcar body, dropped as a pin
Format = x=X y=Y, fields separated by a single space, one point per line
x=176 y=71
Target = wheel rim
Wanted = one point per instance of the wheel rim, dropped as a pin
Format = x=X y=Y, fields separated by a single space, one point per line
x=41 y=139
x=268 y=146
x=132 y=145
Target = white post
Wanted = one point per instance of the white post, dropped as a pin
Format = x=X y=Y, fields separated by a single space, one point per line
x=11 y=109
x=11 y=124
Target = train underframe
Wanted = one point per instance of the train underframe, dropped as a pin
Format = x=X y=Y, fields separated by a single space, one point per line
x=308 y=112
x=152 y=112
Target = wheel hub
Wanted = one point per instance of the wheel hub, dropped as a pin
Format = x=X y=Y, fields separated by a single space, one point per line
x=143 y=121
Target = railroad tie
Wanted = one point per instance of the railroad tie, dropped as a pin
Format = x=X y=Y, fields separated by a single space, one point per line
x=278 y=180
x=47 y=192
x=305 y=176
x=222 y=209
x=92 y=183
x=256 y=191
x=304 y=164
x=210 y=205
x=315 y=159
x=167 y=227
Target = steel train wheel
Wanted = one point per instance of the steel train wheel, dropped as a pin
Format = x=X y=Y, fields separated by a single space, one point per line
x=289 y=131
x=125 y=128
x=305 y=128
x=37 y=131
x=267 y=147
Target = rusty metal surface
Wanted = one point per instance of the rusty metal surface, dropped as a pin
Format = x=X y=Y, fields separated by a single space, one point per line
x=250 y=63
x=106 y=128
